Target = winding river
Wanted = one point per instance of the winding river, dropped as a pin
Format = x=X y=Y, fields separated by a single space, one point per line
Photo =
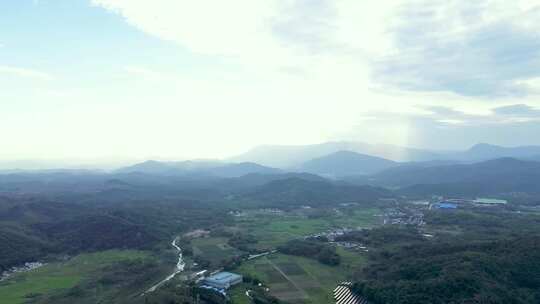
x=180 y=265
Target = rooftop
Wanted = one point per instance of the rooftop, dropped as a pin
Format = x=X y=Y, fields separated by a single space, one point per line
x=223 y=276
x=489 y=201
x=446 y=206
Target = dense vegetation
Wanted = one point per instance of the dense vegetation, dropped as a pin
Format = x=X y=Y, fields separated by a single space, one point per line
x=460 y=272
x=295 y=192
x=35 y=226
x=494 y=258
x=17 y=248
x=322 y=252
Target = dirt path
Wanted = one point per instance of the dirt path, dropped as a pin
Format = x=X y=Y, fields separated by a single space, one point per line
x=300 y=289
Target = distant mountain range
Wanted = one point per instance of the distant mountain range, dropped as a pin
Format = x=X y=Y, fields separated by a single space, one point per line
x=294 y=156
x=503 y=175
x=483 y=168
x=198 y=168
x=215 y=180
x=481 y=152
x=310 y=158
x=323 y=160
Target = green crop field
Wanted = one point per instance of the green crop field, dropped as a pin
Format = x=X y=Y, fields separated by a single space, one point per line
x=359 y=217
x=59 y=276
x=298 y=279
x=238 y=294
x=274 y=230
x=213 y=249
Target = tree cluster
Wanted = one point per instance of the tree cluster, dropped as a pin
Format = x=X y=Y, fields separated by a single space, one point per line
x=324 y=253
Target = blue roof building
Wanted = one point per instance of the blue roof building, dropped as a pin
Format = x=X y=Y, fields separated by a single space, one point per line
x=223 y=280
x=444 y=205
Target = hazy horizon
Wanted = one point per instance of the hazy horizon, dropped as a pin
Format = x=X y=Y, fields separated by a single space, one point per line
x=112 y=163
x=113 y=80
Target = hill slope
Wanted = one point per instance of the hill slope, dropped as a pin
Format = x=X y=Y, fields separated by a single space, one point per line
x=346 y=163
x=497 y=272
x=294 y=192
x=493 y=176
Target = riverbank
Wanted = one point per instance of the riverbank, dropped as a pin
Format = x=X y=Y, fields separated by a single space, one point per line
x=180 y=266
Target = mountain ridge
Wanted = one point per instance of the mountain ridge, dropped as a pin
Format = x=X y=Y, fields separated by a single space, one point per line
x=291 y=156
x=198 y=168
x=346 y=163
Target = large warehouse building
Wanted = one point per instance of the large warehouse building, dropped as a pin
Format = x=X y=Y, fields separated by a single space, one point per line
x=223 y=280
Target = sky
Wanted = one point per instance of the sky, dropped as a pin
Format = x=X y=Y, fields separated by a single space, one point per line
x=178 y=79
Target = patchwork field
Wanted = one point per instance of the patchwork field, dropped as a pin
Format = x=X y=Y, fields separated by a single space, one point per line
x=297 y=279
x=274 y=230
x=56 y=277
x=213 y=249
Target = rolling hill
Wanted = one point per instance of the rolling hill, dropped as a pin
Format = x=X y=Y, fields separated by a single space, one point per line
x=294 y=192
x=198 y=168
x=494 y=176
x=345 y=163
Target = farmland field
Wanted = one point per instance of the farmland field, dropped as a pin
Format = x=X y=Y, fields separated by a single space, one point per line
x=274 y=230
x=56 y=277
x=238 y=294
x=299 y=279
x=213 y=249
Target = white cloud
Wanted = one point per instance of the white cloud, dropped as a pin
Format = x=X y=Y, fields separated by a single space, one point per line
x=25 y=72
x=483 y=48
x=264 y=33
x=520 y=111
x=416 y=45
x=211 y=27
x=287 y=72
x=301 y=54
x=439 y=127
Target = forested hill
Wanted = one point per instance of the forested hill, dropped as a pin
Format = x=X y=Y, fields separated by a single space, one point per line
x=499 y=272
x=491 y=256
x=503 y=175
x=32 y=226
x=343 y=163
x=498 y=170
x=294 y=192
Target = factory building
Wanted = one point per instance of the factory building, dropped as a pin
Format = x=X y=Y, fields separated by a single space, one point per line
x=445 y=205
x=223 y=280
